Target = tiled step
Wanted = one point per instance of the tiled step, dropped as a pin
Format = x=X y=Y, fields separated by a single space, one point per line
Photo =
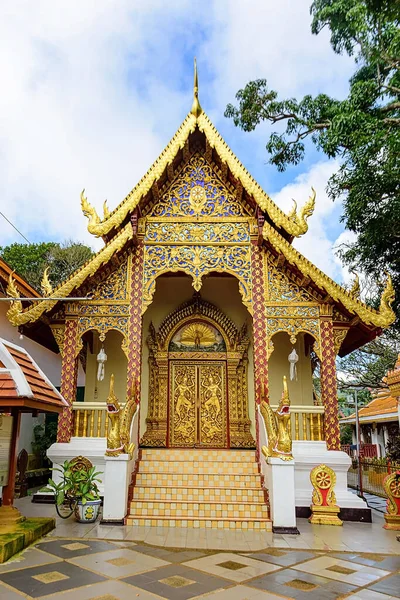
x=195 y=510
x=258 y=524
x=219 y=489
x=182 y=494
x=199 y=455
x=197 y=480
x=197 y=467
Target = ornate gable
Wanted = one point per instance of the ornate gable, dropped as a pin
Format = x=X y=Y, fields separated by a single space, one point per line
x=280 y=288
x=197 y=193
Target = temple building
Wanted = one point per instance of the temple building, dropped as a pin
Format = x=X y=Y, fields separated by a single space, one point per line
x=195 y=304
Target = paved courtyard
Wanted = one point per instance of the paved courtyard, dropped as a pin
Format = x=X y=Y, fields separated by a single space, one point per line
x=94 y=562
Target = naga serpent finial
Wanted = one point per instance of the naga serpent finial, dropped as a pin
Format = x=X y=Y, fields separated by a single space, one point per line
x=355 y=288
x=45 y=285
x=16 y=305
x=89 y=211
x=387 y=299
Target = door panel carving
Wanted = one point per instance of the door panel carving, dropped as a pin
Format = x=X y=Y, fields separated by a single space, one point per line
x=182 y=396
x=212 y=405
x=197 y=401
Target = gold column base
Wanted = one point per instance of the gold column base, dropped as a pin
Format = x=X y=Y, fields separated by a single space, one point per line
x=239 y=435
x=325 y=515
x=155 y=435
x=392 y=522
x=9 y=515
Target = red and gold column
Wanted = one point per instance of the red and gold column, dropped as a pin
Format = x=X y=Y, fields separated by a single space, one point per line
x=69 y=375
x=135 y=323
x=259 y=323
x=328 y=380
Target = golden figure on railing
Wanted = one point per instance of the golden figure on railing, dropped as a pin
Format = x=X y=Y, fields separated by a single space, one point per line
x=278 y=426
x=118 y=435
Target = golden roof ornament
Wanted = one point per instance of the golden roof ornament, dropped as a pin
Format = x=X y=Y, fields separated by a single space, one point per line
x=45 y=285
x=196 y=108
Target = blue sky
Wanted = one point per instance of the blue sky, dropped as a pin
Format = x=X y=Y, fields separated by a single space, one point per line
x=93 y=91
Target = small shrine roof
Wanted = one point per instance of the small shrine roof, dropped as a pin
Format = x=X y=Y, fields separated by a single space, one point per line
x=381 y=408
x=23 y=384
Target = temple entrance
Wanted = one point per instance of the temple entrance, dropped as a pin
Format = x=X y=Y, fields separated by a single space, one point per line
x=197 y=380
x=198 y=404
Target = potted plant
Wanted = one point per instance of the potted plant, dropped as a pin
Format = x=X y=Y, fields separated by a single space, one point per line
x=76 y=493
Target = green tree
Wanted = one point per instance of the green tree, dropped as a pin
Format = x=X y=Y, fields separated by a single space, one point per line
x=367 y=366
x=362 y=131
x=30 y=260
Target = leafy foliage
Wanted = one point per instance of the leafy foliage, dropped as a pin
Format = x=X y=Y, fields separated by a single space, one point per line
x=76 y=483
x=362 y=131
x=30 y=260
x=393 y=449
x=367 y=366
x=346 y=436
x=43 y=438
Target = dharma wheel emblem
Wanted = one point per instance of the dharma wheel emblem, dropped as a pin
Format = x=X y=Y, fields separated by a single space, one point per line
x=197 y=197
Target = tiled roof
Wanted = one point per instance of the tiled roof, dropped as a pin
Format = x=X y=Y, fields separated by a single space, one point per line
x=21 y=378
x=383 y=404
x=23 y=286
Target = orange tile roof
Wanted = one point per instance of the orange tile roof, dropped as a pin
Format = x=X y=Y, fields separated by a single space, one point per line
x=23 y=286
x=379 y=406
x=22 y=379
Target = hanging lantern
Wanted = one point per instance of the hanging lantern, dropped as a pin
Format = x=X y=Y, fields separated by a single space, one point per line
x=101 y=360
x=293 y=359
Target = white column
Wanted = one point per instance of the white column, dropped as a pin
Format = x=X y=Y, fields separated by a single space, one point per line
x=117 y=479
x=282 y=493
x=374 y=438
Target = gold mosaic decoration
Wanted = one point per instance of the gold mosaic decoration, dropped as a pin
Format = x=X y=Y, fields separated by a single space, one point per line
x=197 y=261
x=198 y=192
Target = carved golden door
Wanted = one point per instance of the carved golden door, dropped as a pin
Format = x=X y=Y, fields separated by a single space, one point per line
x=198 y=404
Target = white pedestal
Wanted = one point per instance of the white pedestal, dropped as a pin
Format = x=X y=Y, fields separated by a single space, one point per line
x=91 y=448
x=310 y=454
x=117 y=479
x=281 y=482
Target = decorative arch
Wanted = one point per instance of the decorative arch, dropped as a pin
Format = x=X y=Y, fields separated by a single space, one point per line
x=293 y=338
x=197 y=261
x=197 y=307
x=163 y=361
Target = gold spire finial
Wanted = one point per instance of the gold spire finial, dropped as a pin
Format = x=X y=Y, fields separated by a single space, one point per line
x=196 y=108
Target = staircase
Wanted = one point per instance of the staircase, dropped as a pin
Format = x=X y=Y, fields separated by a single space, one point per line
x=219 y=489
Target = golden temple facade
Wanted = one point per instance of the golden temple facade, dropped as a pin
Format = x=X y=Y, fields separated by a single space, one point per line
x=199 y=297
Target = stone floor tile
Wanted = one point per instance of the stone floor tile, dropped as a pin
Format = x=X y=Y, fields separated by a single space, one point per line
x=177 y=582
x=282 y=557
x=49 y=579
x=373 y=559
x=108 y=590
x=31 y=557
x=370 y=595
x=389 y=585
x=241 y=592
x=7 y=594
x=301 y=586
x=341 y=570
x=232 y=566
x=71 y=548
x=119 y=563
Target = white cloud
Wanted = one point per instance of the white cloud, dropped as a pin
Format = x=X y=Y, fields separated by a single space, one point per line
x=316 y=244
x=92 y=91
